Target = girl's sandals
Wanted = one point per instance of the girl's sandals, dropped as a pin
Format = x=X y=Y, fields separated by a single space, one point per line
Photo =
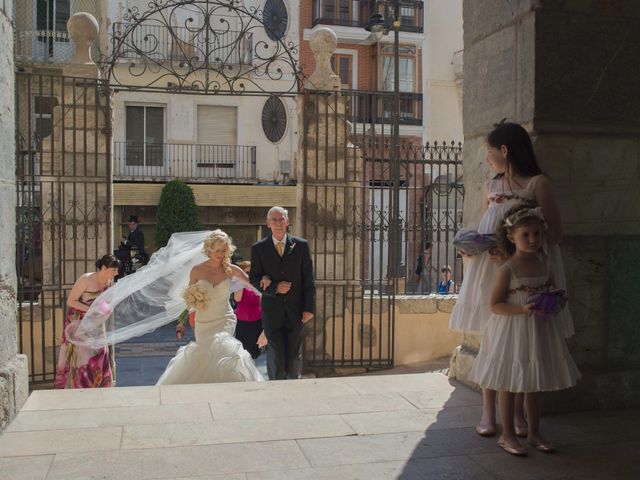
x=519 y=451
x=486 y=430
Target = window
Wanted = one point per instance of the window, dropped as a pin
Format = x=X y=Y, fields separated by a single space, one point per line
x=145 y=136
x=42 y=116
x=51 y=19
x=337 y=10
x=407 y=69
x=53 y=15
x=343 y=65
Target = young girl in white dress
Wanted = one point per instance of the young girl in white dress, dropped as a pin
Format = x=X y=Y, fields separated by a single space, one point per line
x=522 y=351
x=518 y=179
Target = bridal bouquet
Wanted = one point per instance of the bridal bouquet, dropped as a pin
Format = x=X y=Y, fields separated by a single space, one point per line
x=196 y=297
x=473 y=243
x=547 y=304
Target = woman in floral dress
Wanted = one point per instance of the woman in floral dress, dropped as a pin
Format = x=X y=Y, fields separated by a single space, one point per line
x=81 y=367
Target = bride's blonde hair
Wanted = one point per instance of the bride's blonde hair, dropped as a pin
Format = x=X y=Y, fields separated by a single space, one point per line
x=216 y=238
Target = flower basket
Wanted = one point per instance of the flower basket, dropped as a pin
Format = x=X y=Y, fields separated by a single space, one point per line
x=471 y=242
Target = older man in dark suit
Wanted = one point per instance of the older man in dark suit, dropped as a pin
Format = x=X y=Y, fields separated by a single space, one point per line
x=284 y=263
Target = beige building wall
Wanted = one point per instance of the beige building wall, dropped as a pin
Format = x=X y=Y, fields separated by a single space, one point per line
x=442 y=91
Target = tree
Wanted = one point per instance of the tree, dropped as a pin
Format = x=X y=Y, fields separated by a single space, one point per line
x=177 y=212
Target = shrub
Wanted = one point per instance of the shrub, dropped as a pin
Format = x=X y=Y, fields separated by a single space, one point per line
x=177 y=212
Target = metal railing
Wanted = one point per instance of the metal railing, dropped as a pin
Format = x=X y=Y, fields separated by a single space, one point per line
x=348 y=13
x=458 y=63
x=43 y=46
x=197 y=163
x=377 y=107
x=193 y=45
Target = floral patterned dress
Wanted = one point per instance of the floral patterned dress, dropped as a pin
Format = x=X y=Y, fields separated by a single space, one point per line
x=80 y=367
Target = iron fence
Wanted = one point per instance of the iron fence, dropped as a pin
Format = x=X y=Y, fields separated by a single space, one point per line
x=348 y=195
x=160 y=43
x=63 y=199
x=134 y=161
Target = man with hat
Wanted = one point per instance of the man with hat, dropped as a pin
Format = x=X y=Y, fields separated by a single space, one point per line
x=133 y=241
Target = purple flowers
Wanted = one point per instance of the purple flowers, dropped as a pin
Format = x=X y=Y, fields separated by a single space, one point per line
x=547 y=304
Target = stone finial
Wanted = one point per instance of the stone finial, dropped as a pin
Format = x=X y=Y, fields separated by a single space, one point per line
x=323 y=43
x=83 y=29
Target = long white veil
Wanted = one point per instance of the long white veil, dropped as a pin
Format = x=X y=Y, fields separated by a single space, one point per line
x=146 y=300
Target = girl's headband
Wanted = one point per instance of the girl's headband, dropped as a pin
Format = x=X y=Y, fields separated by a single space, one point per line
x=514 y=218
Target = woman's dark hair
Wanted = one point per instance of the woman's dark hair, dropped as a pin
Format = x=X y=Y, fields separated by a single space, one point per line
x=520 y=156
x=505 y=245
x=108 y=261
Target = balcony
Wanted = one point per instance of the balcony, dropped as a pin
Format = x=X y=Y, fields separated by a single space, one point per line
x=377 y=107
x=193 y=163
x=43 y=46
x=192 y=45
x=353 y=13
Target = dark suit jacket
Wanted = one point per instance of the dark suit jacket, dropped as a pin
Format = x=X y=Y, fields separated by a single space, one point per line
x=135 y=238
x=296 y=267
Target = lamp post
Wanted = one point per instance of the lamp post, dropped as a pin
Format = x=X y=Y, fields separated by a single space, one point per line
x=381 y=25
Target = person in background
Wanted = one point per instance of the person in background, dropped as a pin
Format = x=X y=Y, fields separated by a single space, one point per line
x=446 y=286
x=249 y=315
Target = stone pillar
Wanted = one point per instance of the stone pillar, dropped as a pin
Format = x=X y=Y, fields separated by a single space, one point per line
x=14 y=385
x=563 y=70
x=328 y=191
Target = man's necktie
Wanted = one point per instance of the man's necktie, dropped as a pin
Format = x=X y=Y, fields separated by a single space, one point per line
x=280 y=247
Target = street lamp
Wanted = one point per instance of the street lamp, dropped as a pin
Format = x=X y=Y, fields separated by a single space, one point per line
x=379 y=25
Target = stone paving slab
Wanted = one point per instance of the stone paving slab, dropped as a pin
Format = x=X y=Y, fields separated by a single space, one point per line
x=32 y=420
x=409 y=426
x=18 y=468
x=92 y=398
x=315 y=405
x=234 y=431
x=179 y=462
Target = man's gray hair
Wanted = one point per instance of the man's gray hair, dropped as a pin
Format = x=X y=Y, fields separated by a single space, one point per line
x=281 y=210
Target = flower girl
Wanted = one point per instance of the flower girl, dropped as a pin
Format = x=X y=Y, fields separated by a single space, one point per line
x=523 y=349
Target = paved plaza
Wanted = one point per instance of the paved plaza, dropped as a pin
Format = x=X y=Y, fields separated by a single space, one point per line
x=409 y=426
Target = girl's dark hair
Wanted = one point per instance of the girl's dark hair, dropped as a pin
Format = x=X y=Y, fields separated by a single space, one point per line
x=108 y=261
x=520 y=156
x=505 y=245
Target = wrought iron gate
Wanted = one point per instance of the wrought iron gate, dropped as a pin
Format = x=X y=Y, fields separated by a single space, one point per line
x=63 y=205
x=348 y=191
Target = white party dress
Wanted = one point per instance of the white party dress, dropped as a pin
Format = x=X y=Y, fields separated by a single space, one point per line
x=524 y=353
x=472 y=310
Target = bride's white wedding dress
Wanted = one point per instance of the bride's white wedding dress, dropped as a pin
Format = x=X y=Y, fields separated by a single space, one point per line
x=215 y=356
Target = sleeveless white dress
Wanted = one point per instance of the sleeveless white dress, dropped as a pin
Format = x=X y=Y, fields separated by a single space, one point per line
x=472 y=310
x=524 y=353
x=215 y=356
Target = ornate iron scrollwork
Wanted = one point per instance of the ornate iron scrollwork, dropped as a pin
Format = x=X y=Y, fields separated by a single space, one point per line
x=205 y=47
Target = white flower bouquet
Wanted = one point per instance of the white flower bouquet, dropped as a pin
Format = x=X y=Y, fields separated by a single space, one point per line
x=196 y=297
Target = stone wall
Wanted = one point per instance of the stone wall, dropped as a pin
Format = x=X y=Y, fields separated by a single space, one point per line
x=563 y=70
x=13 y=367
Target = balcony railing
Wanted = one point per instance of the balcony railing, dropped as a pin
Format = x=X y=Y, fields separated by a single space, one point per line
x=197 y=163
x=43 y=46
x=161 y=43
x=458 y=64
x=350 y=13
x=377 y=107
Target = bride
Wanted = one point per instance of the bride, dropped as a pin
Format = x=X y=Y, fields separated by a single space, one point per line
x=194 y=268
x=215 y=356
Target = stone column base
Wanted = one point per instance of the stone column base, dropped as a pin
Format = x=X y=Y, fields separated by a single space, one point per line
x=461 y=362
x=14 y=388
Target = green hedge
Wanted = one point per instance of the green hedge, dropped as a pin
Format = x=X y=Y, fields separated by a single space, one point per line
x=177 y=212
